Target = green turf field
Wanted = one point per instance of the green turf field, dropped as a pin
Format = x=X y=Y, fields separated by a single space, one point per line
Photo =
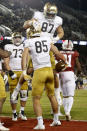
x=79 y=110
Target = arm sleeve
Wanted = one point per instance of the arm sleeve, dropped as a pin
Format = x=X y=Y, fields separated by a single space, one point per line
x=59 y=20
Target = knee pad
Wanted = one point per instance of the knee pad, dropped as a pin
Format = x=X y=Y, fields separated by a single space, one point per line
x=14 y=102
x=23 y=95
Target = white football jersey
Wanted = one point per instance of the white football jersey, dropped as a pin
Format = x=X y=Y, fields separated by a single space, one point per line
x=15 y=58
x=48 y=25
x=39 y=50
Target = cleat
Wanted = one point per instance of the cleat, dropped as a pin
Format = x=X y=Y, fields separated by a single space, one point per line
x=14 y=94
x=39 y=127
x=68 y=117
x=22 y=116
x=58 y=123
x=14 y=117
x=2 y=128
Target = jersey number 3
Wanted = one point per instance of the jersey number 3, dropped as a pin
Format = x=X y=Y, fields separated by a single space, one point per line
x=17 y=52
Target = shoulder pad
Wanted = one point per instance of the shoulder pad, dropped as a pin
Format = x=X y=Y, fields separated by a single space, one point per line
x=59 y=20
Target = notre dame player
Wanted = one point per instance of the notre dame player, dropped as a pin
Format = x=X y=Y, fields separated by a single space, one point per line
x=13 y=64
x=3 y=54
x=50 y=23
x=39 y=46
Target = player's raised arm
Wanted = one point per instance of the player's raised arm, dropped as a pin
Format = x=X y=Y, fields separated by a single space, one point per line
x=60 y=32
x=28 y=23
x=58 y=55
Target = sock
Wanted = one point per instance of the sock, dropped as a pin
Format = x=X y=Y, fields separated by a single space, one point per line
x=22 y=108
x=57 y=93
x=65 y=104
x=40 y=120
x=14 y=111
x=55 y=118
x=58 y=108
x=70 y=103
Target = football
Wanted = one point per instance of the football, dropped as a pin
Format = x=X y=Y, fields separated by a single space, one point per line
x=60 y=66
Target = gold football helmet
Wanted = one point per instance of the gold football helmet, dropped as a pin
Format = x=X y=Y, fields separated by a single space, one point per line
x=16 y=41
x=34 y=29
x=16 y=34
x=50 y=10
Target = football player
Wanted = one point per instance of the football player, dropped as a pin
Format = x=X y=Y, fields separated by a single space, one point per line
x=67 y=76
x=39 y=46
x=13 y=64
x=50 y=23
x=3 y=54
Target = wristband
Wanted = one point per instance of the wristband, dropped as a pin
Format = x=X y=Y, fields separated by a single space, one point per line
x=55 y=39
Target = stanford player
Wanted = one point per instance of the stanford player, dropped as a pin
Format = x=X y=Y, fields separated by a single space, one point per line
x=67 y=76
